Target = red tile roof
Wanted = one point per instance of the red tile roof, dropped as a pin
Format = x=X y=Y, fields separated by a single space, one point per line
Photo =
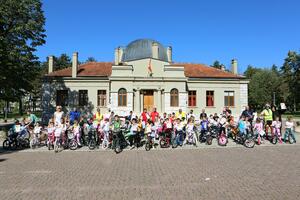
x=105 y=68
x=204 y=71
x=86 y=69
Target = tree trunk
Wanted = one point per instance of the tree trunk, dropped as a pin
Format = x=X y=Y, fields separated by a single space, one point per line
x=295 y=106
x=6 y=111
x=20 y=106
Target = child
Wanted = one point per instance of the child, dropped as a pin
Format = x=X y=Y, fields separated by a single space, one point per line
x=190 y=127
x=289 y=125
x=178 y=126
x=76 y=132
x=276 y=125
x=37 y=130
x=242 y=126
x=204 y=128
x=258 y=127
x=105 y=129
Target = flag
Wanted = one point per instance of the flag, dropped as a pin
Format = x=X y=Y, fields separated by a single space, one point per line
x=150 y=67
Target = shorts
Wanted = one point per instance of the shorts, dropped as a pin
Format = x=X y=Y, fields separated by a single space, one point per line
x=269 y=122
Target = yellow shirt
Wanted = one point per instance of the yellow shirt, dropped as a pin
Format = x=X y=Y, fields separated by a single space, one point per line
x=268 y=114
x=99 y=116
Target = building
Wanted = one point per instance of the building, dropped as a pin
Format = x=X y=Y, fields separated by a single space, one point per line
x=144 y=75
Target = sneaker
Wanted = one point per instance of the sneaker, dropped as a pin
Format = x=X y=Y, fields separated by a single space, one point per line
x=132 y=147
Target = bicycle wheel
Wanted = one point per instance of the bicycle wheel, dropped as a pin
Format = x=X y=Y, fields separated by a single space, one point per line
x=147 y=146
x=249 y=143
x=222 y=140
x=73 y=144
x=290 y=139
x=274 y=140
x=6 y=145
x=92 y=144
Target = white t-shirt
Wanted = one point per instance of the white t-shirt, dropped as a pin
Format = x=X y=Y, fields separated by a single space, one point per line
x=57 y=117
x=289 y=124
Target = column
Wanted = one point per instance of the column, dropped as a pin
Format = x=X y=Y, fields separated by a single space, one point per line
x=141 y=100
x=159 y=103
x=137 y=101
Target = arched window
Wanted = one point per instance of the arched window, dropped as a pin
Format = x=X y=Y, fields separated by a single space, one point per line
x=174 y=98
x=122 y=97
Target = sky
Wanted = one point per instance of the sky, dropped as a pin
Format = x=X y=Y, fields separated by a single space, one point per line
x=255 y=32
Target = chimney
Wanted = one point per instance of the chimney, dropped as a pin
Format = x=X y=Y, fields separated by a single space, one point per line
x=50 y=64
x=117 y=56
x=169 y=54
x=234 y=67
x=155 y=50
x=74 y=64
x=120 y=54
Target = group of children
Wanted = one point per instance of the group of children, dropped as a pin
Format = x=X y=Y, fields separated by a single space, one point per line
x=258 y=127
x=184 y=128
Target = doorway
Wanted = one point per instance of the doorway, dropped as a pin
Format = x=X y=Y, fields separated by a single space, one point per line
x=148 y=99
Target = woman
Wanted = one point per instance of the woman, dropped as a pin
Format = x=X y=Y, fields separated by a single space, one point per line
x=58 y=115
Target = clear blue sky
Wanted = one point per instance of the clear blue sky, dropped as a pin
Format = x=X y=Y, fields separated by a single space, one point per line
x=256 y=32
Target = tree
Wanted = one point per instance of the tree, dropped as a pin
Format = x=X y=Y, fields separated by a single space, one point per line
x=61 y=62
x=21 y=32
x=263 y=84
x=250 y=71
x=91 y=59
x=217 y=65
x=291 y=77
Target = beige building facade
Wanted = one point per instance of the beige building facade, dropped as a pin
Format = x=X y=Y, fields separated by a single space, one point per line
x=143 y=75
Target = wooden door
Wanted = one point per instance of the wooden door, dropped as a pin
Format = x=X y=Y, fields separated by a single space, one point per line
x=148 y=100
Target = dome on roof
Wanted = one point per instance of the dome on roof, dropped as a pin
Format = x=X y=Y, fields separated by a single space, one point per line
x=142 y=48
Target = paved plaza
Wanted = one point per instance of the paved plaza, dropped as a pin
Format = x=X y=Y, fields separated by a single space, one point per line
x=264 y=172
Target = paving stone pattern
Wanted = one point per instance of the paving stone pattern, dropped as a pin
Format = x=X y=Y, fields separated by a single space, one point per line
x=267 y=172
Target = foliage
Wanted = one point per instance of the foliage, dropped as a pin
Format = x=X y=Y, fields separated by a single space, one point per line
x=283 y=81
x=21 y=32
x=291 y=78
x=91 y=59
x=263 y=84
x=217 y=64
x=61 y=62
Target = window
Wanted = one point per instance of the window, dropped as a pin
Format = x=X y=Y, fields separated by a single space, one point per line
x=101 y=97
x=192 y=98
x=83 y=97
x=61 y=97
x=210 y=98
x=174 y=97
x=122 y=97
x=229 y=98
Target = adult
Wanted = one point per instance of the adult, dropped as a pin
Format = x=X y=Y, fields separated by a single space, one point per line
x=58 y=115
x=190 y=114
x=145 y=116
x=275 y=113
x=164 y=116
x=180 y=114
x=98 y=115
x=203 y=115
x=154 y=114
x=248 y=113
x=268 y=117
x=129 y=117
x=32 y=118
x=74 y=115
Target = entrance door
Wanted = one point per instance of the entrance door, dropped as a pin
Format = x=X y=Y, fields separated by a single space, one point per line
x=148 y=99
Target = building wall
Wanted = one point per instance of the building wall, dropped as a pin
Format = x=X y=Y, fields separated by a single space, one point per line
x=219 y=87
x=73 y=87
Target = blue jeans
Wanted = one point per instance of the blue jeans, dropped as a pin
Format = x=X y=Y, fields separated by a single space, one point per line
x=287 y=132
x=179 y=140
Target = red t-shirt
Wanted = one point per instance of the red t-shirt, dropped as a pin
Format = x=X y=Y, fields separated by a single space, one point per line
x=153 y=115
x=144 y=116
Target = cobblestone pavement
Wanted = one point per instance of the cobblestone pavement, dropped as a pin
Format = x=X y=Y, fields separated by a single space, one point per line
x=265 y=172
